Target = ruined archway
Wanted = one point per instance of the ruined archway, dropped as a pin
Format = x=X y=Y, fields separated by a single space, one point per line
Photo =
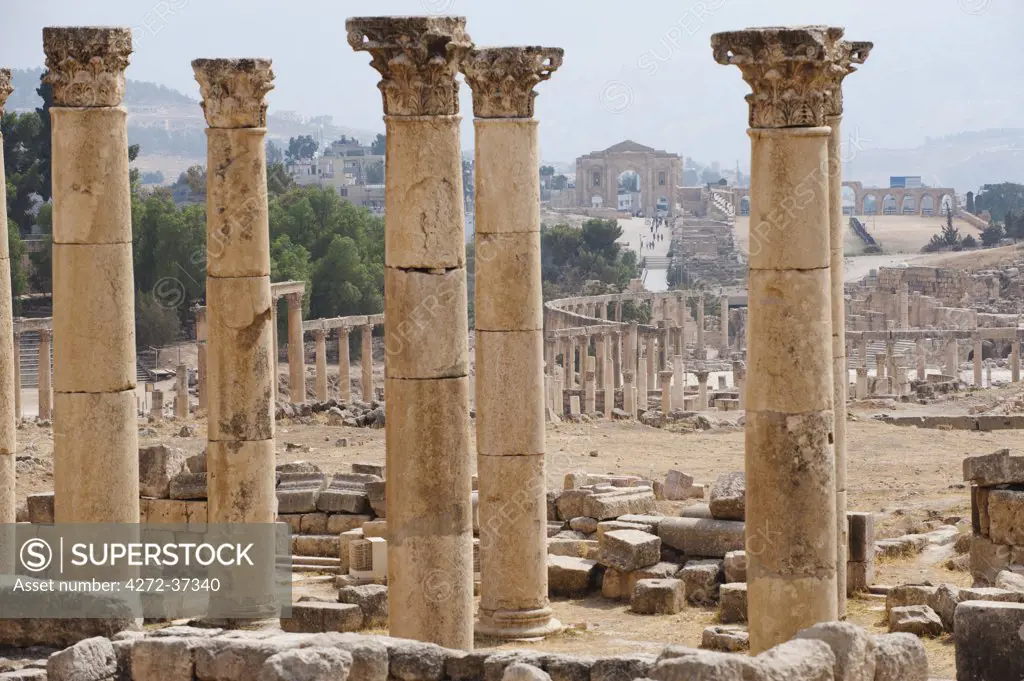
x=849 y=199
x=889 y=205
x=870 y=205
x=908 y=206
x=745 y=205
x=927 y=205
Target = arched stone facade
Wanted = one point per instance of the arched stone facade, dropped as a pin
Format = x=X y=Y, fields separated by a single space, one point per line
x=597 y=176
x=899 y=201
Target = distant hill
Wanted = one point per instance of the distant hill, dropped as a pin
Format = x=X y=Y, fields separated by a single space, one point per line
x=964 y=161
x=169 y=125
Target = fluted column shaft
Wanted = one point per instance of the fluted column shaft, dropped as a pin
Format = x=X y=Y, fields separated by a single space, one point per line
x=296 y=350
x=95 y=447
x=366 y=362
x=320 y=337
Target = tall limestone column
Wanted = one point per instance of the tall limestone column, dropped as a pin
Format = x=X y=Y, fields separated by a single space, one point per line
x=509 y=342
x=16 y=362
x=344 y=360
x=848 y=55
x=95 y=433
x=320 y=336
x=723 y=325
x=701 y=353
x=791 y=510
x=240 y=355
x=366 y=362
x=201 y=366
x=274 y=343
x=10 y=387
x=181 y=393
x=430 y=533
x=296 y=350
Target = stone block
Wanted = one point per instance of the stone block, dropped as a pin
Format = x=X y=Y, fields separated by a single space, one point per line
x=989 y=644
x=622 y=667
x=188 y=486
x=40 y=508
x=861 y=528
x=297 y=500
x=354 y=501
x=1006 y=516
x=90 y=660
x=988 y=559
x=466 y=666
x=725 y=639
x=162 y=659
x=416 y=661
x=1011 y=581
x=372 y=600
x=572 y=577
x=292 y=520
x=313 y=523
x=321 y=545
x=853 y=647
x=803 y=659
x=344 y=539
x=157 y=465
x=728 y=497
x=998 y=468
x=609 y=525
x=375 y=528
x=578 y=548
x=658 y=597
x=619 y=585
x=679 y=487
x=568 y=667
x=909 y=594
x=343 y=522
x=166 y=511
x=696 y=511
x=629 y=550
x=307 y=664
x=702 y=579
x=944 y=603
x=375 y=469
x=619 y=502
x=584 y=524
x=570 y=503
x=196 y=463
x=732 y=603
x=519 y=671
x=241 y=656
x=919 y=620
x=313 y=617
x=496 y=664
x=735 y=565
x=979 y=510
x=702 y=537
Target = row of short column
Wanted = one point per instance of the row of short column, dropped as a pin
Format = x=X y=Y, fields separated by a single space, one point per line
x=344 y=361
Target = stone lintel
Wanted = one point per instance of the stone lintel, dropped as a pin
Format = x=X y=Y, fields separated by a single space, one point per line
x=502 y=78
x=234 y=90
x=24 y=324
x=417 y=58
x=789 y=69
x=284 y=288
x=85 y=65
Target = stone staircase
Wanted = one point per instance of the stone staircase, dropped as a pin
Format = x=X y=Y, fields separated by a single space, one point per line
x=875 y=348
x=30 y=359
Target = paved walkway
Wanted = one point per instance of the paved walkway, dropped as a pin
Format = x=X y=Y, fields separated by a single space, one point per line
x=636 y=229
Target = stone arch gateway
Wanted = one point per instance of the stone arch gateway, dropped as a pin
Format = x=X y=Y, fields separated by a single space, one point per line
x=597 y=176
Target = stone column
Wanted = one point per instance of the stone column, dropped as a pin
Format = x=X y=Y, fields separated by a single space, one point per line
x=977 y=359
x=849 y=55
x=275 y=344
x=590 y=387
x=678 y=380
x=366 y=362
x=509 y=343
x=616 y=359
x=702 y=390
x=181 y=393
x=739 y=377
x=609 y=380
x=430 y=533
x=618 y=310
x=700 y=329
x=201 y=368
x=724 y=325
x=600 y=348
x=628 y=392
x=666 y=390
x=953 y=359
x=10 y=384
x=862 y=383
x=296 y=353
x=571 y=364
x=320 y=336
x=17 y=369
x=95 y=434
x=862 y=352
x=651 y=363
x=631 y=348
x=239 y=302
x=921 y=361
x=344 y=378
x=641 y=383
x=664 y=346
x=1015 y=360
x=789 y=413
x=156 y=407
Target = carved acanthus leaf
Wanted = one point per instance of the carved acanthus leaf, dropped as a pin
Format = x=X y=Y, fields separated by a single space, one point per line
x=502 y=78
x=848 y=55
x=789 y=70
x=85 y=65
x=234 y=91
x=417 y=58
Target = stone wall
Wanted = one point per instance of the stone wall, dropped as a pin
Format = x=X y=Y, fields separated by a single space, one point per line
x=997 y=517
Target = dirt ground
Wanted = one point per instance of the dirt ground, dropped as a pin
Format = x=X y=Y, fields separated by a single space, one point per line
x=908 y=475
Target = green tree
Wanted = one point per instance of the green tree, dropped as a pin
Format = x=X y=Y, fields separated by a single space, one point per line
x=378 y=145
x=40 y=275
x=155 y=324
x=274 y=153
x=27 y=173
x=45 y=92
x=969 y=242
x=301 y=148
x=992 y=235
x=999 y=199
x=375 y=173
x=194 y=178
x=16 y=249
x=279 y=180
x=570 y=257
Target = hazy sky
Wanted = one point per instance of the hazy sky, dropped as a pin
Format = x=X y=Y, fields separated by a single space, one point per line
x=640 y=70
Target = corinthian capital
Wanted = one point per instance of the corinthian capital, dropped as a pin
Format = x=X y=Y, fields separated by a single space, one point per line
x=417 y=58
x=85 y=65
x=233 y=91
x=502 y=78
x=789 y=70
x=848 y=55
x=5 y=87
